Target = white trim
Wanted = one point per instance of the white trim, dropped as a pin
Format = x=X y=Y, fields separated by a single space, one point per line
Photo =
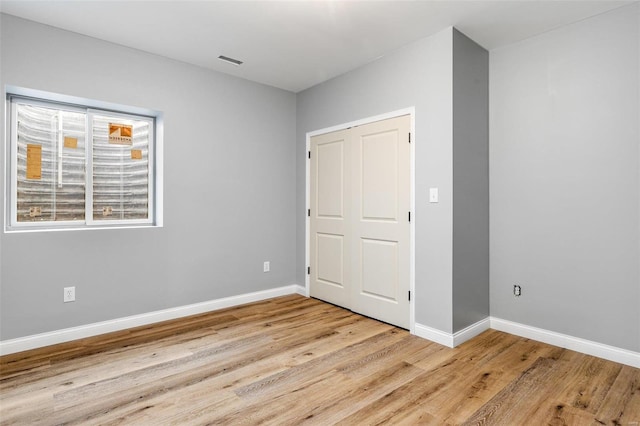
x=70 y=101
x=17 y=95
x=412 y=224
x=158 y=179
x=577 y=344
x=307 y=222
x=452 y=340
x=411 y=112
x=611 y=353
x=392 y=114
x=88 y=160
x=434 y=335
x=12 y=175
x=600 y=350
x=89 y=330
x=468 y=333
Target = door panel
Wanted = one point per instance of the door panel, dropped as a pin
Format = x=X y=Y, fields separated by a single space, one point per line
x=379 y=159
x=330 y=207
x=380 y=207
x=360 y=189
x=379 y=268
x=330 y=259
x=330 y=179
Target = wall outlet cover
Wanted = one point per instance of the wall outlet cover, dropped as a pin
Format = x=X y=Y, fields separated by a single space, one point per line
x=69 y=294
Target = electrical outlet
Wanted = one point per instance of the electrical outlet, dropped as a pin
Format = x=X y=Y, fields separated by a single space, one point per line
x=517 y=290
x=266 y=267
x=69 y=294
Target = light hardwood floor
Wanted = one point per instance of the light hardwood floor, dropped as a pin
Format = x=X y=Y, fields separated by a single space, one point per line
x=293 y=360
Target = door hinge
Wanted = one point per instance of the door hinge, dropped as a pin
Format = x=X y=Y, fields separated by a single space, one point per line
x=409 y=137
x=308 y=270
x=309 y=212
x=309 y=154
x=409 y=216
x=409 y=295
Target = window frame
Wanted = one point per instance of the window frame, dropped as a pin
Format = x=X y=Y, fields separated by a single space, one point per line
x=90 y=221
x=90 y=109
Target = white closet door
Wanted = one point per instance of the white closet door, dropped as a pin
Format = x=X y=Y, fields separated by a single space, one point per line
x=379 y=228
x=360 y=184
x=330 y=218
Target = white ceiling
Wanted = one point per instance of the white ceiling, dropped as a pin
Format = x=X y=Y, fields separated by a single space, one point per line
x=294 y=45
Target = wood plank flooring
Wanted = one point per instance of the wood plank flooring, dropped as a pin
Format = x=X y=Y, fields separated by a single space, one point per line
x=293 y=360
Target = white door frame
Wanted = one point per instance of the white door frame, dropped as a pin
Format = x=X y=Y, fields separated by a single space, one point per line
x=411 y=111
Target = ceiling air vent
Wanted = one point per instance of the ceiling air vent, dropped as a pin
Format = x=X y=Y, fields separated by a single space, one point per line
x=230 y=60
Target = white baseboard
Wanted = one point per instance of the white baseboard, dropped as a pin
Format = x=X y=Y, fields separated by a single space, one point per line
x=459 y=337
x=451 y=339
x=89 y=330
x=588 y=347
x=435 y=335
x=611 y=353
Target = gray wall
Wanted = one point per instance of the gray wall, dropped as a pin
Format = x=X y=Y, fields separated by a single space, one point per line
x=565 y=182
x=445 y=77
x=229 y=189
x=470 y=182
x=418 y=75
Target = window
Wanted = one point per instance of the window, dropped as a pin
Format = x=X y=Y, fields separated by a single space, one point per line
x=79 y=166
